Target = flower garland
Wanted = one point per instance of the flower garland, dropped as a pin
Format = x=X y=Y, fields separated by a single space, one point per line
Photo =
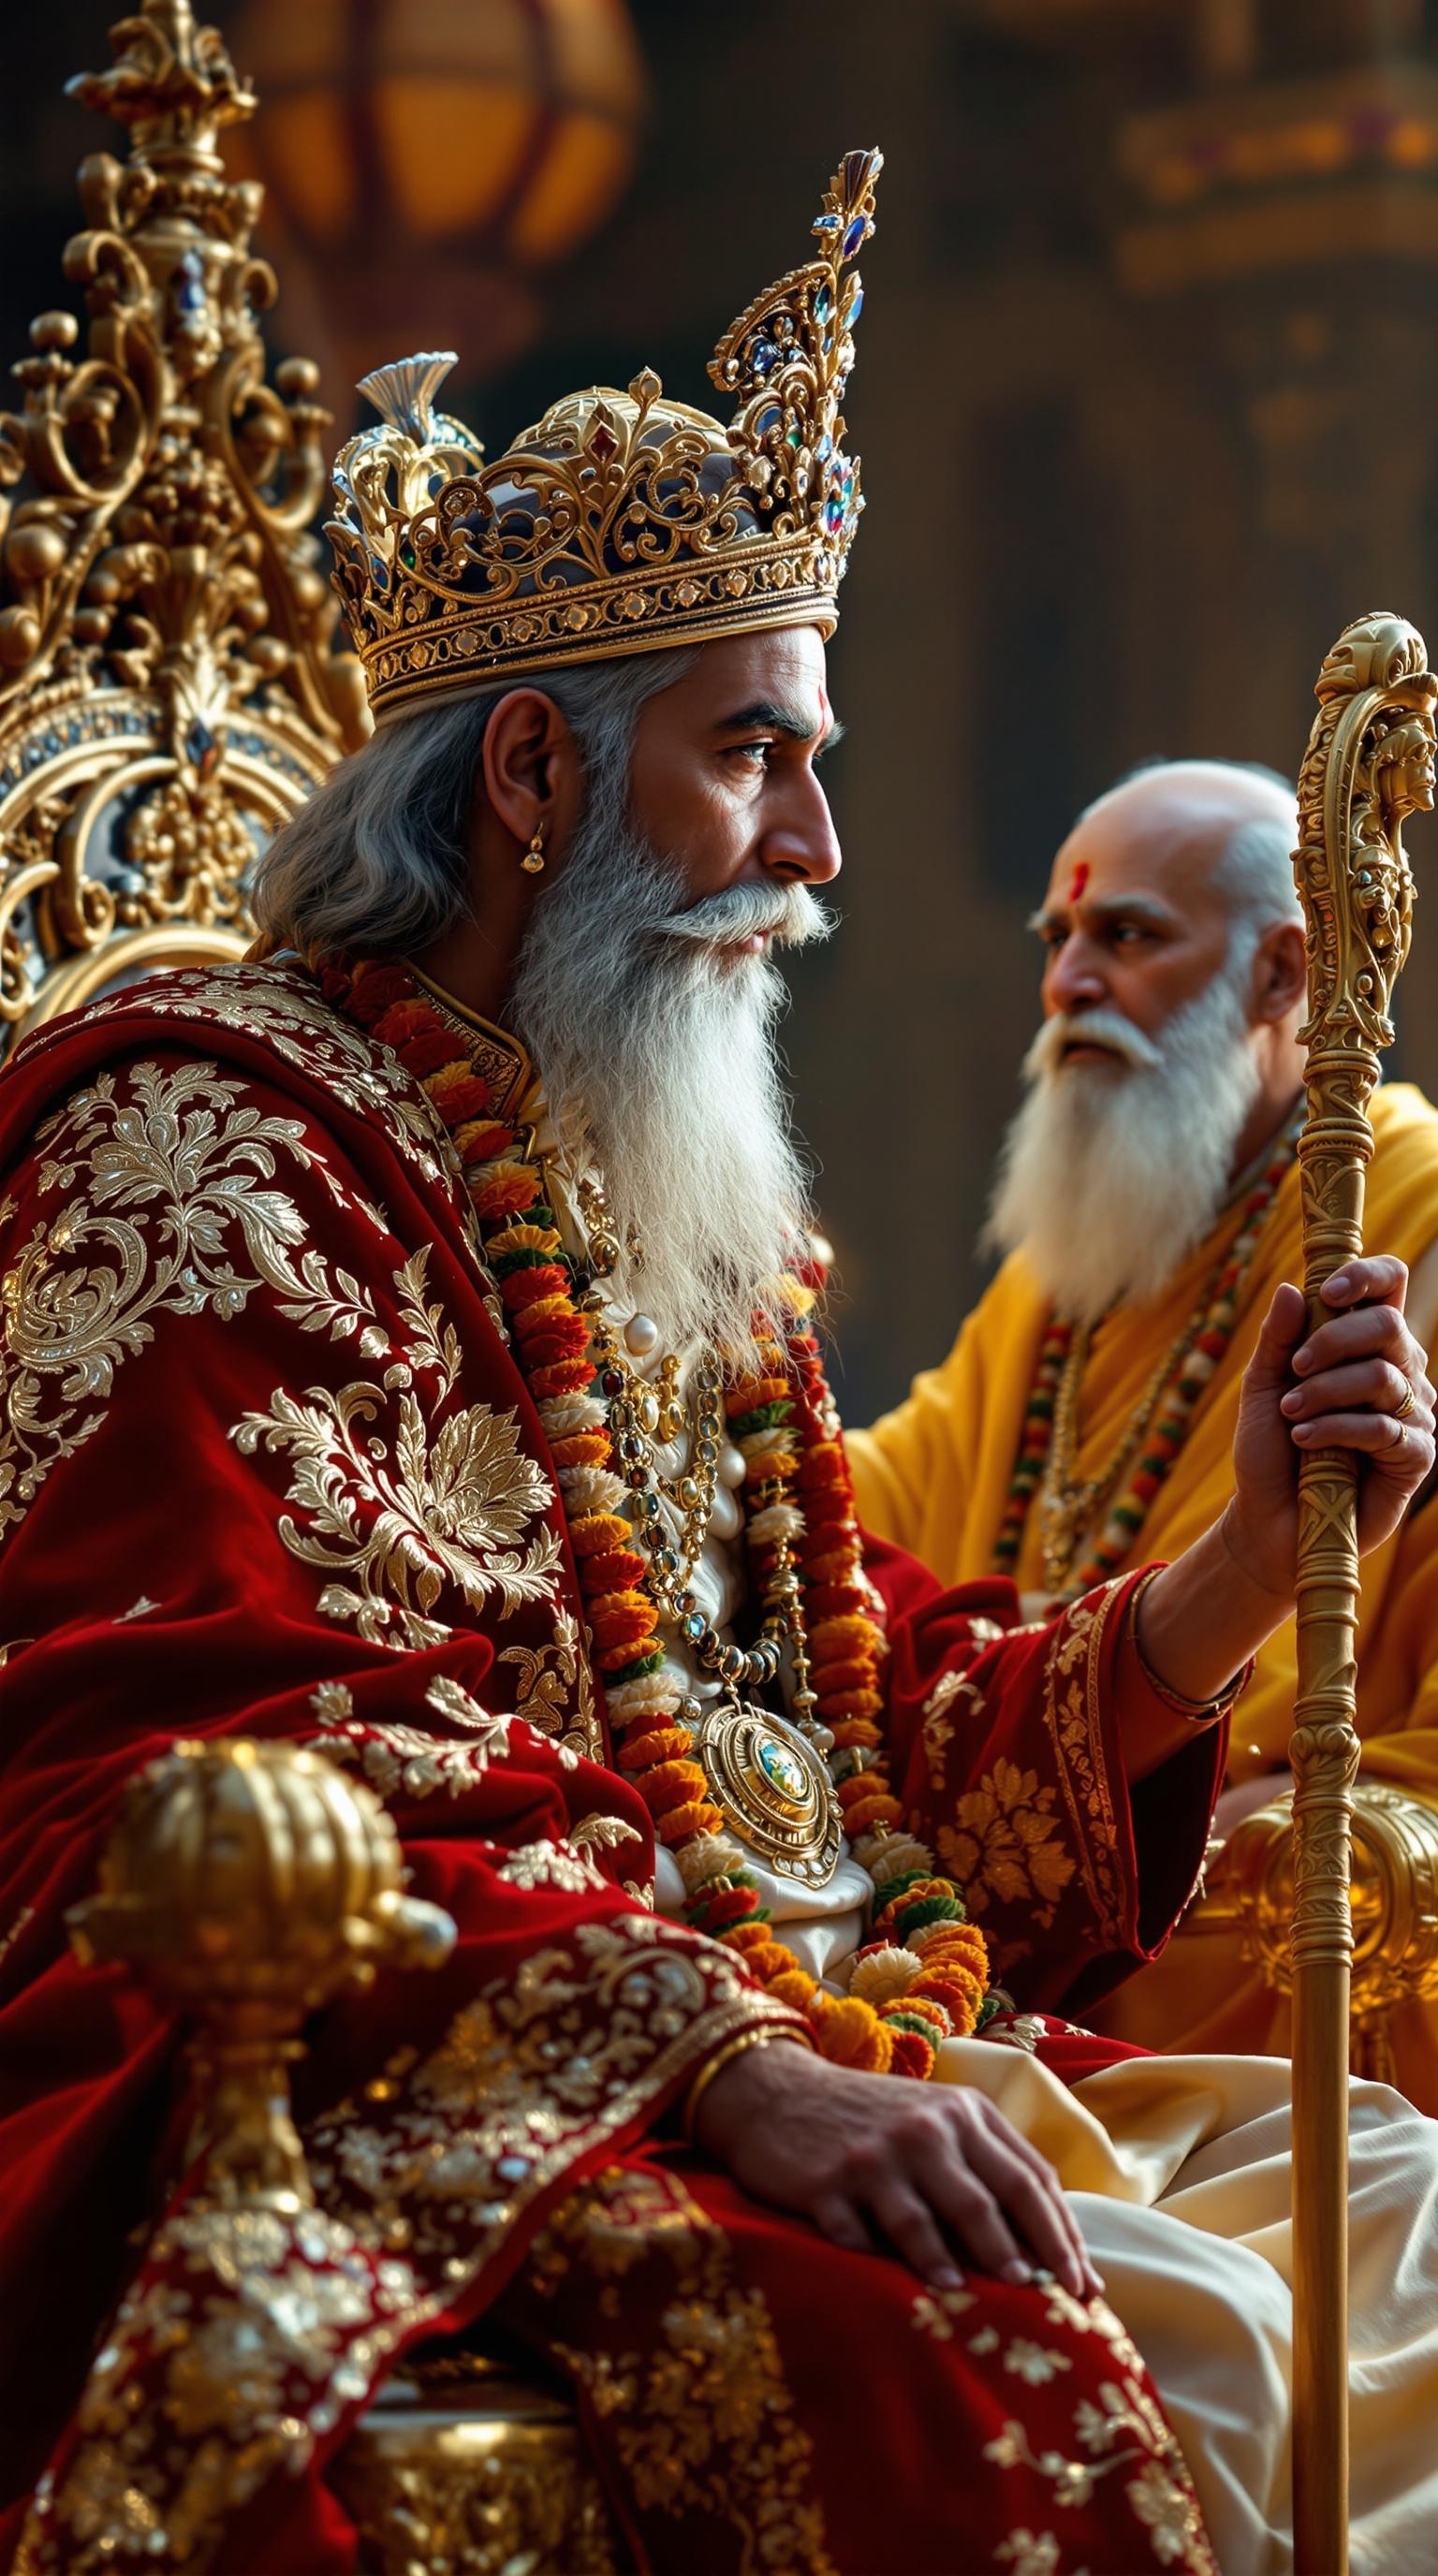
x=1048 y=1434
x=923 y=1976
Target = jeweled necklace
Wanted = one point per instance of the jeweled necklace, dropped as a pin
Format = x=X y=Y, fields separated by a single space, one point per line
x=1124 y=1491
x=924 y=1974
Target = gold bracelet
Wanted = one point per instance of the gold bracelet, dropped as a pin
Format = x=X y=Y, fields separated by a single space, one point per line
x=758 y=2035
x=1197 y=1712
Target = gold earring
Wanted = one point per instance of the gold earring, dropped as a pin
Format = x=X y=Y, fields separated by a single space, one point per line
x=533 y=859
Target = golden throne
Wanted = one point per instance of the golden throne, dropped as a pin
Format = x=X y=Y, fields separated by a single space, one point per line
x=169 y=692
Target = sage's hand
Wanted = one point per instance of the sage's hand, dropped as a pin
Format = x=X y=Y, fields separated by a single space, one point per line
x=1359 y=1382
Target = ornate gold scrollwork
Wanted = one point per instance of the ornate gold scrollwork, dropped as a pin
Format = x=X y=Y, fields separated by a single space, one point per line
x=476 y=2494
x=247 y=1883
x=1369 y=764
x=169 y=688
x=1394 y=1899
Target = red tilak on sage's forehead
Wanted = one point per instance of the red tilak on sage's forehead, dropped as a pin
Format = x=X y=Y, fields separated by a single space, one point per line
x=1078 y=881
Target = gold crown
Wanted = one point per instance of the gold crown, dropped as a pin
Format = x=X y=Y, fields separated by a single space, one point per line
x=622 y=522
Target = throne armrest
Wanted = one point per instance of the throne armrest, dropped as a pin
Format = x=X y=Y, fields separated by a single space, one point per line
x=244 y=1884
x=1395 y=1906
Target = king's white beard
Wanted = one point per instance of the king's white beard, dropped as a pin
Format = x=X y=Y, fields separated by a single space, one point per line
x=1113 y=1173
x=655 y=1044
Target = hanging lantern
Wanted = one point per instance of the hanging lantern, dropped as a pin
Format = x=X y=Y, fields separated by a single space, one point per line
x=427 y=158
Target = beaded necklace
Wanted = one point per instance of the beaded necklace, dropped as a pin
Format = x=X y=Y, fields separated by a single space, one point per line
x=1123 y=1491
x=923 y=1976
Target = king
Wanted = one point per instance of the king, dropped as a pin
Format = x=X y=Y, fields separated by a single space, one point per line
x=413 y=1352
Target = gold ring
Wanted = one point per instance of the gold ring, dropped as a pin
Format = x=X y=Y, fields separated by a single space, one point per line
x=1408 y=1405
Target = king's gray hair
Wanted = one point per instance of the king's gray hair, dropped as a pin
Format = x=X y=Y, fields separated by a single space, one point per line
x=377 y=859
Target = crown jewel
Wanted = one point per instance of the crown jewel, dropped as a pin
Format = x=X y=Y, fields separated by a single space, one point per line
x=622 y=521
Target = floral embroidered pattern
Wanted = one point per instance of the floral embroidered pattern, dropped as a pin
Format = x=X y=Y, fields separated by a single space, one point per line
x=241 y=2333
x=1124 y=2431
x=249 y=2335
x=1003 y=1844
x=1074 y=1720
x=703 y=2421
x=279 y=1005
x=528 y=2075
x=545 y=1677
x=546 y=1863
x=167 y=1207
x=400 y=1520
x=937 y=1728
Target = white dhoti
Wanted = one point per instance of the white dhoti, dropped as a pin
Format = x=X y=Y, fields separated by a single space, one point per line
x=1182 y=2172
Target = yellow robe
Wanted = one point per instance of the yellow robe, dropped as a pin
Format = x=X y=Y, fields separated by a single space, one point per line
x=934 y=1475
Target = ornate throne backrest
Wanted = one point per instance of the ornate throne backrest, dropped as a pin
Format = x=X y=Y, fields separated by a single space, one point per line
x=169 y=687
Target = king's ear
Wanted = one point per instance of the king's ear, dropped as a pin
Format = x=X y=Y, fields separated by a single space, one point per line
x=530 y=766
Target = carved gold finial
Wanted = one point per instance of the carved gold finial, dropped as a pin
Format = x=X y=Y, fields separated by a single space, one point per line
x=246 y=1883
x=173 y=84
x=169 y=685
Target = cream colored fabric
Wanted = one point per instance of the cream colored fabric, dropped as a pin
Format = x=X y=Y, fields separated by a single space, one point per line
x=1183 y=2181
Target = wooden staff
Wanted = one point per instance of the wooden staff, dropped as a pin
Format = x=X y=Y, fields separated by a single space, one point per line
x=1369 y=762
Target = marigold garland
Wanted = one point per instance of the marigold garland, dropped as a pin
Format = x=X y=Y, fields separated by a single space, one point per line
x=925 y=1973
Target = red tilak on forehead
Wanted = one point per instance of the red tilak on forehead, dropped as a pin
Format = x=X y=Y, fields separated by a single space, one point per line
x=1078 y=881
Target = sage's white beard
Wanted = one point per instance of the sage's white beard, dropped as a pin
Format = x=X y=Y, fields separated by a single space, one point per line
x=1113 y=1173
x=655 y=1044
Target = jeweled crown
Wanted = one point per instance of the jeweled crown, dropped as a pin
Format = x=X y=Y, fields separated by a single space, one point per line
x=623 y=521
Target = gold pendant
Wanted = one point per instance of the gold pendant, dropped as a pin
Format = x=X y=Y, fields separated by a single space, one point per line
x=771 y=1787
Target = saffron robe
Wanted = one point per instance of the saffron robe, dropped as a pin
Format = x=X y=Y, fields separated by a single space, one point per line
x=933 y=1476
x=269 y=1468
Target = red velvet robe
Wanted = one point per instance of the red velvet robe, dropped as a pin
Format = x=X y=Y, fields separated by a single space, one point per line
x=268 y=1467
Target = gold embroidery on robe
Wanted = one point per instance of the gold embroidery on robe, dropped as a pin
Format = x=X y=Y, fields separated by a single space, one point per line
x=399 y=1518
x=1074 y=1720
x=167 y=1208
x=1004 y=1847
x=266 y=2320
x=279 y=1005
x=703 y=2420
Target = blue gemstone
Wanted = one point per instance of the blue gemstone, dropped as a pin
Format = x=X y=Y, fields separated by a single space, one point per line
x=769 y=418
x=856 y=306
x=779 y=1765
x=826 y=223
x=764 y=357
x=378 y=573
x=856 y=233
x=823 y=305
x=822 y=450
x=833 y=516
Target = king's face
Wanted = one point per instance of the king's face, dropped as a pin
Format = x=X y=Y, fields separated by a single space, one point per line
x=724 y=780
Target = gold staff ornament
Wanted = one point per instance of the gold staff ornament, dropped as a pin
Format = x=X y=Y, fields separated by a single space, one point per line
x=1369 y=763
